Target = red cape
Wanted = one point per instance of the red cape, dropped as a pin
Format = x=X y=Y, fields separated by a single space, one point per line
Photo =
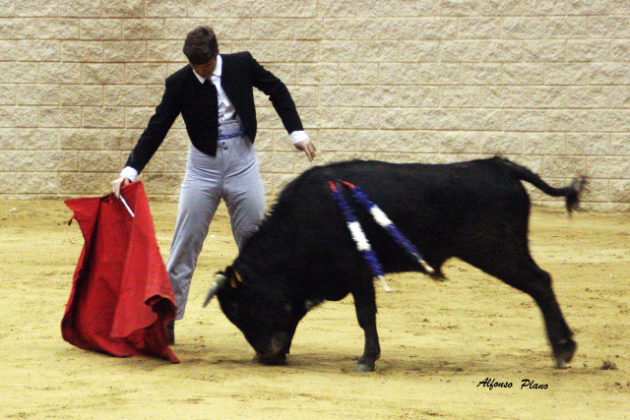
x=121 y=298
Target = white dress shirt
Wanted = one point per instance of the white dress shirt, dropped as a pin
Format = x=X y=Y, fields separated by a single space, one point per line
x=226 y=109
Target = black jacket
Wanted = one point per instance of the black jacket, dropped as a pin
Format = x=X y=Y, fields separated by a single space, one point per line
x=198 y=105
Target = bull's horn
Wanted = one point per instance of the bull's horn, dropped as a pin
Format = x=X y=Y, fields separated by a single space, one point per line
x=219 y=281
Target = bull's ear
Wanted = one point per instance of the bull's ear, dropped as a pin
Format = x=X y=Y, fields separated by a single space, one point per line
x=220 y=280
x=233 y=277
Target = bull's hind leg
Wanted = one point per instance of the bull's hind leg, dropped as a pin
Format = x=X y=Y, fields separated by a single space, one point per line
x=521 y=272
x=365 y=305
x=559 y=333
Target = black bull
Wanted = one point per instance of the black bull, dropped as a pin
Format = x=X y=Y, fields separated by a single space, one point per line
x=303 y=253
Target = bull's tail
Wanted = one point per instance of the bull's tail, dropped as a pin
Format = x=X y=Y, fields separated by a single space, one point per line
x=572 y=192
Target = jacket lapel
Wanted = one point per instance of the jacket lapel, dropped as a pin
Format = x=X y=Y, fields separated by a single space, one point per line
x=227 y=73
x=192 y=85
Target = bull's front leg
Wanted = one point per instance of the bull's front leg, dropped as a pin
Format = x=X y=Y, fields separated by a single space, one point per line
x=365 y=305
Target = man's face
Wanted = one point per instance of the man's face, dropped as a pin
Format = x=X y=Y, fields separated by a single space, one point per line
x=206 y=69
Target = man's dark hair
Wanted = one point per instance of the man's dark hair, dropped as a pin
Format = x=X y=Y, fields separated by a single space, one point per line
x=201 y=45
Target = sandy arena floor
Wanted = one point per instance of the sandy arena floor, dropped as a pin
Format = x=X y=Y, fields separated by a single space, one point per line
x=439 y=341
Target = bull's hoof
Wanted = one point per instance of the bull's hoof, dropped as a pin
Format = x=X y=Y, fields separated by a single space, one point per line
x=271 y=359
x=364 y=367
x=563 y=352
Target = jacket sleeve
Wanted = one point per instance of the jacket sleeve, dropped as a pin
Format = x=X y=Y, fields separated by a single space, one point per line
x=278 y=94
x=159 y=124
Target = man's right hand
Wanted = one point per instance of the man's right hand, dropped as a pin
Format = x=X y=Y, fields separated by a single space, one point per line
x=117 y=184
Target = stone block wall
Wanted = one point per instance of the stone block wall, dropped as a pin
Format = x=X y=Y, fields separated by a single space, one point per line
x=546 y=83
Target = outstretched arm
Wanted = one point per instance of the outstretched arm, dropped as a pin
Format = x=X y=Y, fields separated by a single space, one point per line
x=284 y=106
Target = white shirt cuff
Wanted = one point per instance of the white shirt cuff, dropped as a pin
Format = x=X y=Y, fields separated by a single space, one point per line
x=298 y=136
x=130 y=173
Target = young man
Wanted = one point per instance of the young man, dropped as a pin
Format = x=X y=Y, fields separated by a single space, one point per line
x=214 y=94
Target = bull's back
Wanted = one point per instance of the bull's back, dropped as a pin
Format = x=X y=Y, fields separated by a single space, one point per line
x=431 y=190
x=443 y=208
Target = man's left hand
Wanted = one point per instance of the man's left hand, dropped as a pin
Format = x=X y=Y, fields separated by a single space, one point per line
x=308 y=148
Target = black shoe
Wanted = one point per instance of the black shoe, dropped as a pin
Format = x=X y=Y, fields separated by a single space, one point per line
x=170 y=331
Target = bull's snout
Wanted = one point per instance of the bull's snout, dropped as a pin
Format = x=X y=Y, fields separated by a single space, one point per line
x=274 y=354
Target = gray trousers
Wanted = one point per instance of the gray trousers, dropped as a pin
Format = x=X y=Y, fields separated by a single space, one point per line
x=232 y=175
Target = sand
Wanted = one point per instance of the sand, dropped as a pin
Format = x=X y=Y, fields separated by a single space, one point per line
x=439 y=341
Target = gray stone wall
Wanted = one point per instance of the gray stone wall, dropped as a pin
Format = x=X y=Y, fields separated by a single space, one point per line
x=546 y=83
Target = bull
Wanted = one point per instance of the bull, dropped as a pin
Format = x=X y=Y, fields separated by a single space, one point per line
x=303 y=254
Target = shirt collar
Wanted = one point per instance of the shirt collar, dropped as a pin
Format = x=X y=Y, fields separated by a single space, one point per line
x=218 y=70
